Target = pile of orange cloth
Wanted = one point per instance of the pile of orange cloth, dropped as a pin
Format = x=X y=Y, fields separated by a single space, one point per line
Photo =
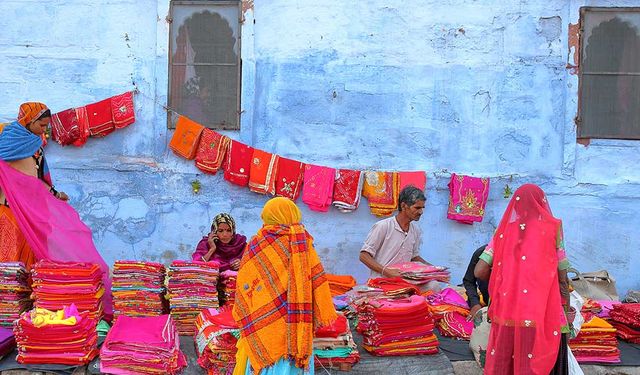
x=340 y=284
x=596 y=342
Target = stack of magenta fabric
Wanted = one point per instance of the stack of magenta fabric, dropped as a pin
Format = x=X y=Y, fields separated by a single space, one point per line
x=138 y=288
x=227 y=287
x=142 y=345
x=625 y=317
x=420 y=273
x=402 y=326
x=60 y=284
x=66 y=337
x=14 y=292
x=333 y=344
x=450 y=311
x=596 y=343
x=191 y=288
x=216 y=337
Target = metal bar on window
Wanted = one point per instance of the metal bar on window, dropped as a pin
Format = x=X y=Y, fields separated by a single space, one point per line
x=205 y=64
x=611 y=73
x=205 y=2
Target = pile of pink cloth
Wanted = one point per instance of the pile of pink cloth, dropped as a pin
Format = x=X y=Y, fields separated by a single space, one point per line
x=191 y=288
x=625 y=317
x=138 y=288
x=69 y=340
x=227 y=287
x=60 y=284
x=144 y=345
x=397 y=327
x=450 y=312
x=420 y=273
x=14 y=292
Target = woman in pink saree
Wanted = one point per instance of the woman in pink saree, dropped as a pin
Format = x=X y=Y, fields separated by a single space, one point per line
x=528 y=288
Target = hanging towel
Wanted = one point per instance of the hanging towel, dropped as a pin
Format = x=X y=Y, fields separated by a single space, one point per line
x=238 y=164
x=347 y=189
x=122 y=110
x=289 y=178
x=64 y=127
x=262 y=174
x=317 y=190
x=467 y=198
x=100 y=119
x=417 y=179
x=186 y=138
x=381 y=190
x=83 y=126
x=212 y=151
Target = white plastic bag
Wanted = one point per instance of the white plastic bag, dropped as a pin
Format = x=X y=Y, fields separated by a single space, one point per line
x=574 y=367
x=576 y=302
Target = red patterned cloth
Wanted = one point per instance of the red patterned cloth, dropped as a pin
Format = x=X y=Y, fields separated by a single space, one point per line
x=289 y=178
x=122 y=110
x=238 y=164
x=100 y=118
x=83 y=126
x=64 y=127
x=347 y=189
x=212 y=150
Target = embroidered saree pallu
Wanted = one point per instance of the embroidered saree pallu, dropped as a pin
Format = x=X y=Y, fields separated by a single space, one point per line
x=238 y=163
x=186 y=138
x=317 y=190
x=347 y=189
x=122 y=110
x=381 y=190
x=262 y=174
x=64 y=127
x=83 y=126
x=467 y=198
x=289 y=178
x=100 y=118
x=212 y=151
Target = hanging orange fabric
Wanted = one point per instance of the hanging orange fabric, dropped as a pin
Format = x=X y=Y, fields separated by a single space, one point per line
x=262 y=175
x=212 y=151
x=186 y=138
x=381 y=190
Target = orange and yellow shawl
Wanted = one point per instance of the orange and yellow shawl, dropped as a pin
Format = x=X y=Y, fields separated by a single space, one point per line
x=381 y=190
x=282 y=293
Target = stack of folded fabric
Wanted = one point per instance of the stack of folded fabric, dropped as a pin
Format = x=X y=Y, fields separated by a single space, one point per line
x=590 y=308
x=59 y=284
x=340 y=284
x=14 y=292
x=394 y=327
x=393 y=286
x=450 y=312
x=138 y=288
x=66 y=337
x=596 y=342
x=227 y=287
x=216 y=337
x=333 y=345
x=625 y=317
x=420 y=273
x=191 y=288
x=7 y=341
x=144 y=345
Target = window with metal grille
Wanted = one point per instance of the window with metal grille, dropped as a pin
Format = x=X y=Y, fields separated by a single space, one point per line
x=609 y=73
x=204 y=62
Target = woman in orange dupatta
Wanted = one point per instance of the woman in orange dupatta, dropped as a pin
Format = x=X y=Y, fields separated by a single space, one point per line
x=282 y=295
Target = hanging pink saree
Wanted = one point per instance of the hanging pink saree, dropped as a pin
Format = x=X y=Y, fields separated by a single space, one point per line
x=52 y=227
x=467 y=198
x=317 y=190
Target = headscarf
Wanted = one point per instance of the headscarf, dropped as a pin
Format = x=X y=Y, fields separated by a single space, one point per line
x=30 y=112
x=223 y=218
x=282 y=293
x=526 y=307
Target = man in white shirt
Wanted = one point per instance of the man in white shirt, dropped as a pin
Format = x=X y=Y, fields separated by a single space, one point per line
x=396 y=239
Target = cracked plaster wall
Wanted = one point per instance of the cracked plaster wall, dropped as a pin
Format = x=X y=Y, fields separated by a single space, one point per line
x=473 y=87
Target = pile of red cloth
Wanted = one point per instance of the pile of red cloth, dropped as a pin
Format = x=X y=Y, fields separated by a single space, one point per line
x=144 y=345
x=590 y=308
x=138 y=288
x=625 y=317
x=596 y=342
x=333 y=344
x=191 y=288
x=401 y=326
x=419 y=273
x=216 y=337
x=14 y=292
x=227 y=287
x=340 y=284
x=393 y=286
x=66 y=337
x=59 y=284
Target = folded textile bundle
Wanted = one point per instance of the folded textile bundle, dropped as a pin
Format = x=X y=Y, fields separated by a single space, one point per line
x=59 y=284
x=393 y=286
x=420 y=273
x=138 y=288
x=144 y=345
x=191 y=287
x=216 y=337
x=334 y=345
x=401 y=326
x=14 y=292
x=596 y=342
x=625 y=317
x=340 y=284
x=7 y=341
x=66 y=337
x=227 y=287
x=446 y=301
x=454 y=324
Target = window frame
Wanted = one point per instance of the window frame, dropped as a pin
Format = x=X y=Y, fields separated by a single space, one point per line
x=581 y=44
x=171 y=122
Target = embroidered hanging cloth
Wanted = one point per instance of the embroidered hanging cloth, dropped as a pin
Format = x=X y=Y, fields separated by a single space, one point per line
x=417 y=179
x=212 y=151
x=83 y=126
x=317 y=190
x=289 y=178
x=381 y=190
x=238 y=164
x=347 y=189
x=64 y=127
x=467 y=198
x=262 y=174
x=186 y=138
x=100 y=118
x=122 y=110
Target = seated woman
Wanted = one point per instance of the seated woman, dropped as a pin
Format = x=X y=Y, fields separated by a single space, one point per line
x=222 y=244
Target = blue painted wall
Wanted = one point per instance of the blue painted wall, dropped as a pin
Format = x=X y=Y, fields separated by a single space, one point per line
x=473 y=87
